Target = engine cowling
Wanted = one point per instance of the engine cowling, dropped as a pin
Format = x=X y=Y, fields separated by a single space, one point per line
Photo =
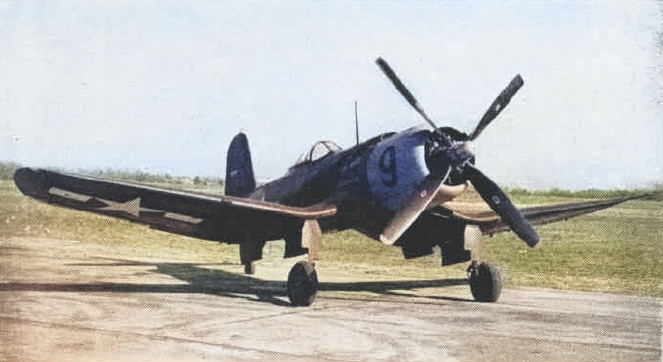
x=396 y=166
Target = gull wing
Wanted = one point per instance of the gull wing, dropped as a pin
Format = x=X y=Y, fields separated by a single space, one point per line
x=489 y=222
x=183 y=212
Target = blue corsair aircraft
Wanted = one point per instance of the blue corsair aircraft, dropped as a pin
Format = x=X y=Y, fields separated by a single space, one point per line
x=398 y=188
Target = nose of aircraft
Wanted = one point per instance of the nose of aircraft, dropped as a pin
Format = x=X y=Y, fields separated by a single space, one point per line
x=449 y=156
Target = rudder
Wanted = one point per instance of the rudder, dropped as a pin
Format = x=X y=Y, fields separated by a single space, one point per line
x=240 y=180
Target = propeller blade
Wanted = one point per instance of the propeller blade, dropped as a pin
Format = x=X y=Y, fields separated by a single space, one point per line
x=498 y=105
x=386 y=69
x=500 y=203
x=404 y=218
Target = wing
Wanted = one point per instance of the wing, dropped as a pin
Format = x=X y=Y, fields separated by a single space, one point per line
x=194 y=214
x=489 y=222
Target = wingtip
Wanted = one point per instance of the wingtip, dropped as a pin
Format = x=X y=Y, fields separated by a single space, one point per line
x=29 y=182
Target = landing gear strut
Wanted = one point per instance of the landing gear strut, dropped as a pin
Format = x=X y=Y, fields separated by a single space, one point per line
x=485 y=281
x=302 y=284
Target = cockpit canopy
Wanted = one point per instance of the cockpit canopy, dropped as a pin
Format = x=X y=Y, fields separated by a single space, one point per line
x=319 y=150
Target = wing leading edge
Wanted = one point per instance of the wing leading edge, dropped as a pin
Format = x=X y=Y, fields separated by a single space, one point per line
x=490 y=223
x=188 y=213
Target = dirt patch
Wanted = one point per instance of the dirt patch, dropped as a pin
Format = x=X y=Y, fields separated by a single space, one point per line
x=64 y=300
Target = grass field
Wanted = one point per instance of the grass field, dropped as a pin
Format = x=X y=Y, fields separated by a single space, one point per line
x=615 y=250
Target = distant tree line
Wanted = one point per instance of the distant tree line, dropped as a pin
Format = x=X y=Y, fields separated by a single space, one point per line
x=142 y=176
x=7 y=170
x=655 y=191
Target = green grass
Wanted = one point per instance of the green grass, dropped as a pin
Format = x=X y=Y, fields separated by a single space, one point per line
x=618 y=250
x=615 y=250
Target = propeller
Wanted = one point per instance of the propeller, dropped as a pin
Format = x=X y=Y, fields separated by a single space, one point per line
x=409 y=97
x=500 y=203
x=458 y=155
x=498 y=105
x=424 y=194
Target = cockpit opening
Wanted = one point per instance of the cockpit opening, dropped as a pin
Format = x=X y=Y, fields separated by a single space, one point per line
x=319 y=150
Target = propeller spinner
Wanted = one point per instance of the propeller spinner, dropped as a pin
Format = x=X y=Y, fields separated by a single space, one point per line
x=458 y=154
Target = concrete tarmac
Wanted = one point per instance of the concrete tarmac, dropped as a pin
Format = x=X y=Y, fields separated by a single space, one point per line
x=65 y=300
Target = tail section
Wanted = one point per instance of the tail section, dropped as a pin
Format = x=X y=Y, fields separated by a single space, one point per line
x=240 y=180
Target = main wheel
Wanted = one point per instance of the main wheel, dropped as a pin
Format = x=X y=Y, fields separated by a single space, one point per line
x=302 y=284
x=485 y=282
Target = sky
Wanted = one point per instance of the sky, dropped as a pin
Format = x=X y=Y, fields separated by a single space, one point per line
x=163 y=86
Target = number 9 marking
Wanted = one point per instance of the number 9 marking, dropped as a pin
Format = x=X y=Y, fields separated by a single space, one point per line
x=388 y=167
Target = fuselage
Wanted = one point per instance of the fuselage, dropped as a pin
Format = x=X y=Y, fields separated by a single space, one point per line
x=368 y=182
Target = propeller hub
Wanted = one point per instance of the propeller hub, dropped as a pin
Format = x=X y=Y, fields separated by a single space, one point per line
x=441 y=155
x=464 y=151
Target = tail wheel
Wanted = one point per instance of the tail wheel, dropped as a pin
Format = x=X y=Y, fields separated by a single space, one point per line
x=302 y=284
x=485 y=282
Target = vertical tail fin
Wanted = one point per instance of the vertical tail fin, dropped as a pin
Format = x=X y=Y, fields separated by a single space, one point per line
x=240 y=180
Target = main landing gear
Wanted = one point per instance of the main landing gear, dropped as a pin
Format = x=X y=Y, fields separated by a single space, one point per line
x=485 y=281
x=484 y=278
x=302 y=284
x=303 y=279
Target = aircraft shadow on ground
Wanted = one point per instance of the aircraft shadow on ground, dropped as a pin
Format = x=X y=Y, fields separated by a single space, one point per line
x=223 y=283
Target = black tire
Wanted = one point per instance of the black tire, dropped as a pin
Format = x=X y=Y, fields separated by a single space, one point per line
x=302 y=284
x=485 y=283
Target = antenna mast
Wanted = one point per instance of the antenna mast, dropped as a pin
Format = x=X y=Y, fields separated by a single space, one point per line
x=356 y=124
